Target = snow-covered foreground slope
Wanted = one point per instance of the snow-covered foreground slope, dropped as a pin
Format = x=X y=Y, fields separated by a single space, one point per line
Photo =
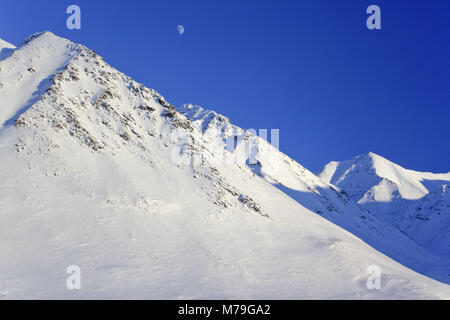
x=314 y=193
x=101 y=172
x=417 y=203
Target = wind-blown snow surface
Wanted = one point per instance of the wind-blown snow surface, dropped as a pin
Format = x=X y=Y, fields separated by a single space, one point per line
x=94 y=174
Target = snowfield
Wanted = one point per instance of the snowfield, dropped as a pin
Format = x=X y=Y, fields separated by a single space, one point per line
x=102 y=172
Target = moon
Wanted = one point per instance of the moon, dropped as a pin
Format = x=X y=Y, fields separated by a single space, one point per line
x=180 y=29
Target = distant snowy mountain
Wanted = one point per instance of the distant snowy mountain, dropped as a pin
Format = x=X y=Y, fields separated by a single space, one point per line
x=5 y=49
x=417 y=203
x=6 y=45
x=102 y=172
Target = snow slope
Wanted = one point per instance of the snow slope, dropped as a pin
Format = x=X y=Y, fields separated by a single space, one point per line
x=334 y=204
x=417 y=203
x=101 y=172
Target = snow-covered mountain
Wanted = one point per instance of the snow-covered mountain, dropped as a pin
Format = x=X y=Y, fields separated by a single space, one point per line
x=5 y=49
x=4 y=46
x=417 y=203
x=102 y=172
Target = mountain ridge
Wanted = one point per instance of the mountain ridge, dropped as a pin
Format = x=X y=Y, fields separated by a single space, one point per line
x=415 y=202
x=103 y=172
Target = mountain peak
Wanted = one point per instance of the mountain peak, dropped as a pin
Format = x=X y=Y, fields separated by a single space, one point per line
x=358 y=175
x=31 y=68
x=4 y=44
x=410 y=200
x=204 y=118
x=6 y=49
x=371 y=156
x=371 y=165
x=97 y=159
x=44 y=36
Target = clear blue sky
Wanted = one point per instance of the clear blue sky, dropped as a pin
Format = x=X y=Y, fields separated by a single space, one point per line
x=310 y=68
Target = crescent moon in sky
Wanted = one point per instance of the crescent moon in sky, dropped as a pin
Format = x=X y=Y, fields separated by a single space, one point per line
x=180 y=29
